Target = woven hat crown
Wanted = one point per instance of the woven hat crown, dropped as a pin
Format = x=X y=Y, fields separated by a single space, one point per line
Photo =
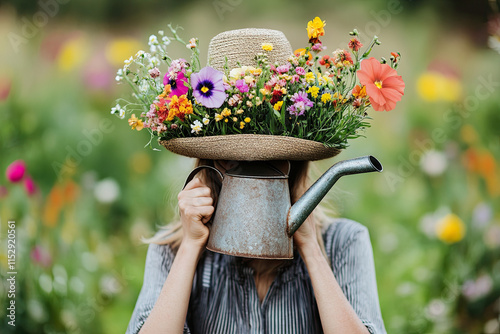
x=241 y=46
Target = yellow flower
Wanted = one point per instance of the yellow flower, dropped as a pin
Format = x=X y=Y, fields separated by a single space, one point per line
x=277 y=105
x=450 y=228
x=326 y=97
x=218 y=117
x=263 y=91
x=235 y=119
x=135 y=123
x=240 y=111
x=255 y=71
x=315 y=28
x=310 y=78
x=225 y=120
x=242 y=125
x=267 y=47
x=313 y=90
x=247 y=120
x=226 y=112
x=119 y=49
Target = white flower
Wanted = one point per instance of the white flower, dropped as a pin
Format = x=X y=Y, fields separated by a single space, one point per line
x=127 y=62
x=143 y=88
x=160 y=32
x=107 y=191
x=154 y=61
x=433 y=163
x=205 y=120
x=196 y=127
x=118 y=109
x=166 y=40
x=153 y=40
x=140 y=53
x=118 y=78
x=153 y=48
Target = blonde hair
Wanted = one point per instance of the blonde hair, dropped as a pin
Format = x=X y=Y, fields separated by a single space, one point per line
x=299 y=182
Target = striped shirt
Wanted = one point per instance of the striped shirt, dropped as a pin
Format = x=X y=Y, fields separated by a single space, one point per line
x=224 y=296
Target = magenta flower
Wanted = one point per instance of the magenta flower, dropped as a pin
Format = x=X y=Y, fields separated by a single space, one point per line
x=177 y=83
x=300 y=71
x=208 y=87
x=29 y=185
x=300 y=104
x=242 y=86
x=16 y=170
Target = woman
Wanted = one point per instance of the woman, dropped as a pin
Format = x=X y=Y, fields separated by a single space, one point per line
x=328 y=287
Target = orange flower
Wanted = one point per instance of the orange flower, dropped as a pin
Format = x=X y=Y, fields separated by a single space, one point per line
x=359 y=92
x=179 y=106
x=315 y=28
x=383 y=84
x=300 y=52
x=135 y=123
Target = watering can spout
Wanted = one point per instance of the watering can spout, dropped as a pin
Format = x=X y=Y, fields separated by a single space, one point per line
x=311 y=198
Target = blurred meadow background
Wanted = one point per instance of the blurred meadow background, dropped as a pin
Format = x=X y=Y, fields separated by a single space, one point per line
x=91 y=190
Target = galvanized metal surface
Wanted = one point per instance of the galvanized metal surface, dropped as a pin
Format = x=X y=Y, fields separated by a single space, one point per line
x=306 y=204
x=253 y=216
x=250 y=220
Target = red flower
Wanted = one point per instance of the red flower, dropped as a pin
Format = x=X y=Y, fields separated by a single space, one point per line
x=355 y=44
x=383 y=84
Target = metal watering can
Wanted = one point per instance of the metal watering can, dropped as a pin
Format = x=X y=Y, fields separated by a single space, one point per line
x=254 y=217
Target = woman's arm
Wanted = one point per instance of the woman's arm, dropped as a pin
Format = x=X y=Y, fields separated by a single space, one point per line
x=169 y=313
x=336 y=313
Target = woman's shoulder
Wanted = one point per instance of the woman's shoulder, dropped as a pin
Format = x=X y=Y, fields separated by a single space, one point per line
x=339 y=233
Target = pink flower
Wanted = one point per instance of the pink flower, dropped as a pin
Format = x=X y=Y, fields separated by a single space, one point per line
x=29 y=185
x=284 y=68
x=177 y=83
x=40 y=256
x=16 y=171
x=154 y=72
x=300 y=104
x=300 y=71
x=318 y=47
x=383 y=84
x=242 y=86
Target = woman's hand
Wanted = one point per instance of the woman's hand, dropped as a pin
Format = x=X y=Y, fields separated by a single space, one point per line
x=305 y=238
x=196 y=209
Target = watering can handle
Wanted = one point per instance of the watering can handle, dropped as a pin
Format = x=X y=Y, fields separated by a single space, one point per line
x=197 y=169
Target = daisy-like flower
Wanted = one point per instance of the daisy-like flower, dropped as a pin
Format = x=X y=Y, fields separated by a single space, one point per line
x=177 y=83
x=208 y=87
x=135 y=123
x=153 y=40
x=196 y=127
x=383 y=84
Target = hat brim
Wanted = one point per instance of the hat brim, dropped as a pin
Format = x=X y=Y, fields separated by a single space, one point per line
x=249 y=147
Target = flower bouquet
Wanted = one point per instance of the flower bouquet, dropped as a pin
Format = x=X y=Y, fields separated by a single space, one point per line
x=318 y=98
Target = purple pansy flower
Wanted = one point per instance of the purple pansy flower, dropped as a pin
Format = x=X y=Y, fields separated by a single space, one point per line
x=242 y=86
x=208 y=87
x=300 y=104
x=177 y=83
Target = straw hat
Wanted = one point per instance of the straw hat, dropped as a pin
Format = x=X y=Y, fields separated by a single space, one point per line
x=239 y=47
